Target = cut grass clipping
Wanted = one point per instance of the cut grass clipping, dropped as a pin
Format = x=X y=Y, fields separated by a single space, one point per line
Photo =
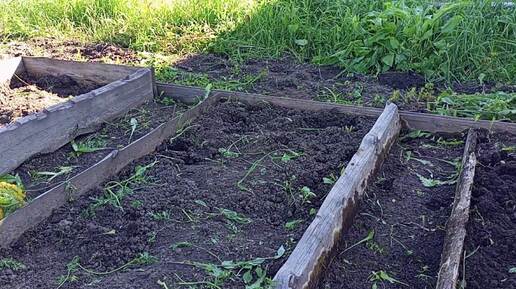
x=464 y=40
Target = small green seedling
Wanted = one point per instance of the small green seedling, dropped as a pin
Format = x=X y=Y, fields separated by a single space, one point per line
x=291 y=225
x=512 y=270
x=134 y=124
x=290 y=155
x=409 y=157
x=306 y=194
x=451 y=142
x=228 y=153
x=235 y=217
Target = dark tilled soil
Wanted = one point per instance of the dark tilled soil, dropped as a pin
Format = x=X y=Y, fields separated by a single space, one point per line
x=113 y=135
x=408 y=220
x=194 y=180
x=27 y=94
x=491 y=229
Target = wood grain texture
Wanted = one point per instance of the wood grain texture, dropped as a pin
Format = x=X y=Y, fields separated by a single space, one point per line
x=80 y=71
x=412 y=120
x=23 y=219
x=456 y=224
x=302 y=269
x=48 y=130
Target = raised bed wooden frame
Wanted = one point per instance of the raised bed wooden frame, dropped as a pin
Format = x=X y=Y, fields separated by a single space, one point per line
x=124 y=88
x=302 y=269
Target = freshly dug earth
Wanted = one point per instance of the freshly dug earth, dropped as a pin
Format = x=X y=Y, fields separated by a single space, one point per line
x=36 y=172
x=406 y=217
x=228 y=188
x=492 y=226
x=27 y=94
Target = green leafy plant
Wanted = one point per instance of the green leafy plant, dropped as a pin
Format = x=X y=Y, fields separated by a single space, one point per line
x=12 y=264
x=382 y=276
x=116 y=191
x=291 y=225
x=88 y=145
x=430 y=183
x=306 y=194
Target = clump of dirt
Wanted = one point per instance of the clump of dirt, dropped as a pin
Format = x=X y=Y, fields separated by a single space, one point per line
x=237 y=184
x=492 y=225
x=399 y=229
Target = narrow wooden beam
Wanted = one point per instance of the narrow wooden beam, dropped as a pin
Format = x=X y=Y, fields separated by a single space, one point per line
x=456 y=225
x=304 y=265
x=412 y=120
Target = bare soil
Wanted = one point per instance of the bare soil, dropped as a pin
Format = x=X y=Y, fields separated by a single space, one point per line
x=253 y=161
x=491 y=229
x=407 y=219
x=27 y=94
x=111 y=135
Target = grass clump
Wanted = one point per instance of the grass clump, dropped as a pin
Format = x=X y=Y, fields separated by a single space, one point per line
x=458 y=40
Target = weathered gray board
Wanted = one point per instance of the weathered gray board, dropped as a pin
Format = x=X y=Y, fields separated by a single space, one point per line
x=412 y=120
x=304 y=265
x=41 y=207
x=456 y=224
x=125 y=88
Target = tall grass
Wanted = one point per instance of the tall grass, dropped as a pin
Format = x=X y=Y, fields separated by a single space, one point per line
x=463 y=40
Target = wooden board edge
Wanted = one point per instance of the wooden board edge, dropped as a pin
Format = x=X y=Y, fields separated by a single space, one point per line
x=456 y=225
x=9 y=67
x=25 y=218
x=304 y=265
x=412 y=120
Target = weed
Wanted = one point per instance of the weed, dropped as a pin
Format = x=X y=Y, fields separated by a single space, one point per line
x=378 y=101
x=450 y=142
x=89 y=145
x=306 y=194
x=160 y=216
x=382 y=276
x=12 y=264
x=374 y=246
x=512 y=270
x=12 y=179
x=415 y=134
x=330 y=180
x=409 y=157
x=369 y=237
x=291 y=225
x=431 y=183
x=62 y=171
x=179 y=245
x=290 y=155
x=312 y=211
x=235 y=217
x=254 y=276
x=116 y=191
x=228 y=153
x=136 y=204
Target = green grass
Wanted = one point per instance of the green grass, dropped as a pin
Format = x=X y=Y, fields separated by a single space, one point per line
x=466 y=40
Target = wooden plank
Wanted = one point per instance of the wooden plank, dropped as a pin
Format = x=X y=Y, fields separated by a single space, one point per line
x=57 y=125
x=23 y=219
x=456 y=225
x=80 y=71
x=9 y=67
x=412 y=120
x=304 y=265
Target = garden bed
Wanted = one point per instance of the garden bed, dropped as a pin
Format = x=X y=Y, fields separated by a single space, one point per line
x=489 y=246
x=44 y=171
x=399 y=229
x=46 y=103
x=240 y=183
